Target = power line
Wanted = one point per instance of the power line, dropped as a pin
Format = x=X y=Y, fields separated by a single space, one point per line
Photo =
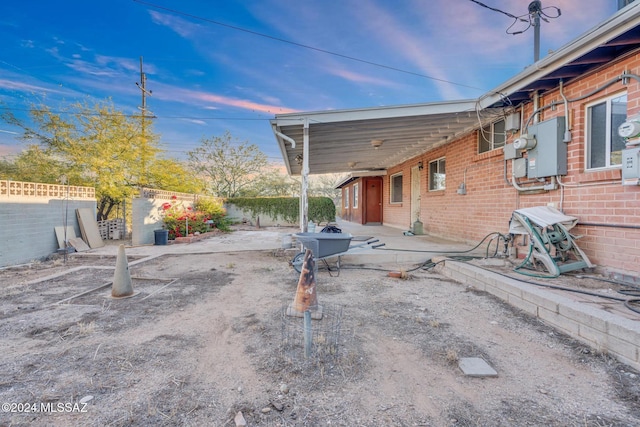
x=531 y=18
x=499 y=11
x=340 y=55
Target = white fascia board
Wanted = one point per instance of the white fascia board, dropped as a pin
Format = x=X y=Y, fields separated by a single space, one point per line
x=334 y=116
x=360 y=174
x=626 y=19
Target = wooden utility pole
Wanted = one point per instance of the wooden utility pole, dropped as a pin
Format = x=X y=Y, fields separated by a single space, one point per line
x=143 y=88
x=535 y=10
x=143 y=108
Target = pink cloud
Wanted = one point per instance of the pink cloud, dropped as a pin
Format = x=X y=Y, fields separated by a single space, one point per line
x=361 y=78
x=9 y=150
x=185 y=95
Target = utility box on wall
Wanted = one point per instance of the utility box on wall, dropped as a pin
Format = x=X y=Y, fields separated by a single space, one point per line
x=549 y=156
x=631 y=166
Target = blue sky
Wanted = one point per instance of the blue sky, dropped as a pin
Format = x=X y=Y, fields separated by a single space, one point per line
x=216 y=66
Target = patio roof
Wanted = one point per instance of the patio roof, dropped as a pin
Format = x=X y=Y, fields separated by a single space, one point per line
x=340 y=141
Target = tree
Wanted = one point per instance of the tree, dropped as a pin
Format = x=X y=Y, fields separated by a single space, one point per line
x=273 y=183
x=229 y=167
x=32 y=164
x=325 y=185
x=92 y=145
x=172 y=175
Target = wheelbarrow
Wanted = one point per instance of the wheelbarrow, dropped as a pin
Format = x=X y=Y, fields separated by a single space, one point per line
x=329 y=245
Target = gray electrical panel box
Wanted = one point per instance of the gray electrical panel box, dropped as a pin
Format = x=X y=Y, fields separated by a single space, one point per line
x=520 y=167
x=512 y=122
x=549 y=156
x=631 y=166
x=510 y=152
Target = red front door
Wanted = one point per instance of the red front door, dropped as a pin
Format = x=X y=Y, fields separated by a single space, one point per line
x=373 y=197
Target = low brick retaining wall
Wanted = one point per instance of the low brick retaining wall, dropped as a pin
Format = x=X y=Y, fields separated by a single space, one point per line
x=601 y=330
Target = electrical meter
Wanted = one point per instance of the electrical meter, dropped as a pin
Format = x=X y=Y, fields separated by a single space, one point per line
x=525 y=142
x=630 y=130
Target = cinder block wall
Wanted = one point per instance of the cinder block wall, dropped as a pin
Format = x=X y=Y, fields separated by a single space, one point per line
x=144 y=220
x=27 y=226
x=595 y=197
x=146 y=215
x=603 y=331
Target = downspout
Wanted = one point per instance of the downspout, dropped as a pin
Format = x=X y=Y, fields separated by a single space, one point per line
x=567 y=126
x=304 y=186
x=286 y=138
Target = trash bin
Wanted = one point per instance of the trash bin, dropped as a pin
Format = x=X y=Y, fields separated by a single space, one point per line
x=162 y=237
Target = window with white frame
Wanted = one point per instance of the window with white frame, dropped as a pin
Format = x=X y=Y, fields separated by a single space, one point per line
x=437 y=175
x=396 y=188
x=346 y=197
x=355 y=195
x=491 y=136
x=604 y=145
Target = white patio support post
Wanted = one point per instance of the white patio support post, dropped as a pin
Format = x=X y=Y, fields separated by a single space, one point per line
x=304 y=186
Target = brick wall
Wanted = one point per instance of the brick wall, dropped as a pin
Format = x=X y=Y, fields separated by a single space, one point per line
x=595 y=197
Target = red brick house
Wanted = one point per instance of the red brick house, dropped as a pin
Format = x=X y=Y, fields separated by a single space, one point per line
x=547 y=137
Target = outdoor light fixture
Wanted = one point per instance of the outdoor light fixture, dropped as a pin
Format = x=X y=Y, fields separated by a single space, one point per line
x=299 y=159
x=376 y=143
x=420 y=166
x=352 y=164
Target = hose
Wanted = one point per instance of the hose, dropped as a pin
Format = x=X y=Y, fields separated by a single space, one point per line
x=519 y=269
x=495 y=233
x=561 y=288
x=632 y=304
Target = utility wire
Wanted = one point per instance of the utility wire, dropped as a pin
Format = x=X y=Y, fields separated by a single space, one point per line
x=526 y=18
x=499 y=11
x=340 y=55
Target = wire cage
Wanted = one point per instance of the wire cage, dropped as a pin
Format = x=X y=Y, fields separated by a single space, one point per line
x=325 y=337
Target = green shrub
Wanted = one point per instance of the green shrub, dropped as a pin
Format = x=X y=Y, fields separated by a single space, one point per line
x=215 y=210
x=321 y=209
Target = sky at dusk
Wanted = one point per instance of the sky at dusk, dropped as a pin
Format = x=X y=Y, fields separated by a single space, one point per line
x=216 y=66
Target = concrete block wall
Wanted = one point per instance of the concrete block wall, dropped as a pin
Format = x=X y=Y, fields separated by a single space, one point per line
x=609 y=213
x=146 y=217
x=146 y=212
x=28 y=226
x=597 y=328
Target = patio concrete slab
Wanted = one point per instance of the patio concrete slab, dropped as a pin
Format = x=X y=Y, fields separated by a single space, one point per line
x=476 y=367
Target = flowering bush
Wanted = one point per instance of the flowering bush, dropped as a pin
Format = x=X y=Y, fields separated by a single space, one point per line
x=215 y=211
x=182 y=221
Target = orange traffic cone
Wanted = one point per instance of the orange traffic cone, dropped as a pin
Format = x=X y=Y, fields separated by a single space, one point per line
x=306 y=298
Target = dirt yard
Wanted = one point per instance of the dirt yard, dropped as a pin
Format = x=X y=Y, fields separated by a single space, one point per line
x=214 y=342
